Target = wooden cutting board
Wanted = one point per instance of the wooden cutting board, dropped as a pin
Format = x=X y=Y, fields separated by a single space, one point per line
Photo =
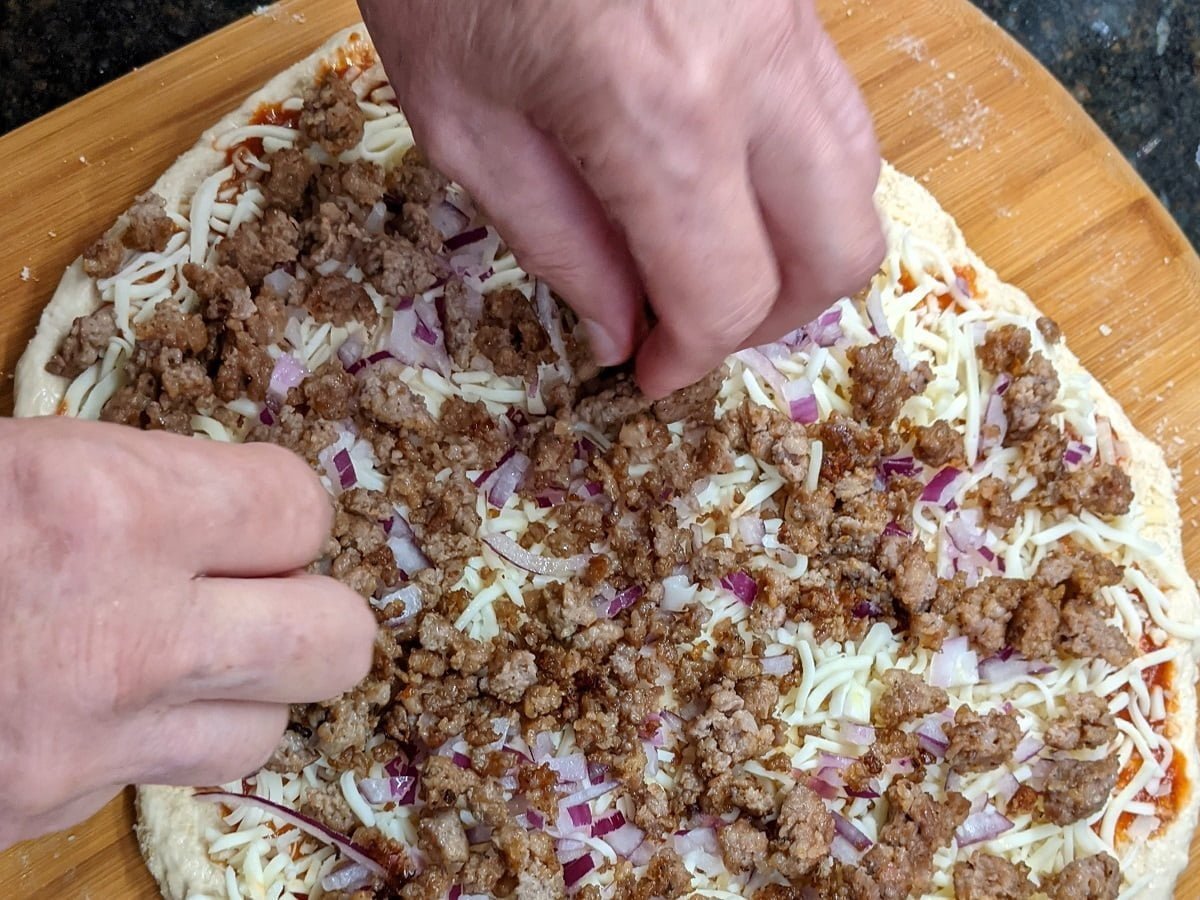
x=1039 y=191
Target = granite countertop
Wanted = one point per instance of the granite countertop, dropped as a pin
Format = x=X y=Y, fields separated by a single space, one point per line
x=1133 y=64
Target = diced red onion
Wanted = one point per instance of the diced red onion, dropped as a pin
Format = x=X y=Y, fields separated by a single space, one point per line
x=752 y=530
x=345 y=469
x=506 y=479
x=856 y=733
x=287 y=373
x=678 y=593
x=280 y=281
x=1007 y=787
x=864 y=609
x=347 y=877
x=350 y=350
x=610 y=608
x=955 y=665
x=994 y=427
x=580 y=815
x=779 y=665
x=416 y=337
x=409 y=595
x=567 y=847
x=409 y=558
x=834 y=761
x=424 y=333
x=589 y=793
x=942 y=487
x=625 y=839
x=826 y=330
x=386 y=790
x=360 y=364
x=931 y=734
x=891 y=528
x=587 y=490
x=466 y=238
x=448 y=219
x=610 y=821
x=1076 y=453
x=551 y=322
x=801 y=401
x=823 y=788
x=576 y=869
x=850 y=832
x=965 y=536
x=879 y=322
x=985 y=825
x=375 y=218
x=862 y=793
x=996 y=669
x=903 y=466
x=932 y=746
x=572 y=768
x=1027 y=749
x=266 y=416
x=530 y=562
x=328 y=267
x=693 y=839
x=311 y=827
x=549 y=497
x=842 y=850
x=741 y=585
x=758 y=363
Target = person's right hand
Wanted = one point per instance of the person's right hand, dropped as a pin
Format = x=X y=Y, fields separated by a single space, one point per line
x=154 y=621
x=716 y=155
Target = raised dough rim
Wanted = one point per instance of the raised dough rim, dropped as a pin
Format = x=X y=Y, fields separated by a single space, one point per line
x=170 y=826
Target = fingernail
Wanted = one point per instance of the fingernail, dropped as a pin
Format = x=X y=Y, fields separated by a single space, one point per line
x=605 y=349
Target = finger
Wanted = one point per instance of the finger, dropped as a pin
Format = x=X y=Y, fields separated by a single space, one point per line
x=298 y=639
x=212 y=508
x=549 y=216
x=710 y=289
x=208 y=743
x=694 y=230
x=64 y=816
x=814 y=164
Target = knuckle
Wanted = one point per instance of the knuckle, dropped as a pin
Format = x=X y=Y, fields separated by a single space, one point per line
x=724 y=327
x=296 y=489
x=853 y=264
x=351 y=633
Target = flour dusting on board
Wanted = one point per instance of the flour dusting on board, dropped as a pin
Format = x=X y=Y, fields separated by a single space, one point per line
x=960 y=119
x=909 y=45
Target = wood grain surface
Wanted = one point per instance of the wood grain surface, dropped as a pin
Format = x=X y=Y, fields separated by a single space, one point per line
x=1039 y=191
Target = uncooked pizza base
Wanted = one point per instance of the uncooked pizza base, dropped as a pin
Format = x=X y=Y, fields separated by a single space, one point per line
x=171 y=824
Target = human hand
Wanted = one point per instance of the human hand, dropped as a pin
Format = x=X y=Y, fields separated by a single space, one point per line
x=715 y=154
x=149 y=629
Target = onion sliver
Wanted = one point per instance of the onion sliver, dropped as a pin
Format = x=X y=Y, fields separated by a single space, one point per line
x=982 y=826
x=345 y=846
x=531 y=562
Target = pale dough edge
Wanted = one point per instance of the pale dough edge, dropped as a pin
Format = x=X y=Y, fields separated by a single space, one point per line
x=904 y=200
x=37 y=392
x=171 y=825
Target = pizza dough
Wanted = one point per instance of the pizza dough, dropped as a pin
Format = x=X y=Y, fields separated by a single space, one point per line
x=172 y=826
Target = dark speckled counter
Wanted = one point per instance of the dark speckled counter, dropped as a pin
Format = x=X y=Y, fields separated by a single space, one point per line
x=1134 y=64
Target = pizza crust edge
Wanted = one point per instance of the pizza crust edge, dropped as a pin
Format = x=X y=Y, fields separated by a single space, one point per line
x=171 y=825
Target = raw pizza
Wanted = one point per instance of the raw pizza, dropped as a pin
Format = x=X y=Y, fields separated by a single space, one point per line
x=892 y=607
